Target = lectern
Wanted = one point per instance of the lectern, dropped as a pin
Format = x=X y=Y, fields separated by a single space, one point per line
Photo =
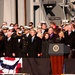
x=56 y=52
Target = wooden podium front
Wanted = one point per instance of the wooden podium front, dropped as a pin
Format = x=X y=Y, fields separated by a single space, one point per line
x=57 y=64
x=56 y=52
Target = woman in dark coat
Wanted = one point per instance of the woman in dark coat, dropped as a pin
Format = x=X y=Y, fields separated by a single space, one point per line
x=45 y=45
x=60 y=38
x=1 y=44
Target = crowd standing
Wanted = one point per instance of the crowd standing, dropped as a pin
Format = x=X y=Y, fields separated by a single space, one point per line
x=26 y=41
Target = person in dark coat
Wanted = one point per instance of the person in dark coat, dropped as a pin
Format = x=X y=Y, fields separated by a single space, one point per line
x=1 y=44
x=19 y=41
x=52 y=35
x=69 y=35
x=11 y=48
x=45 y=45
x=60 y=38
x=44 y=28
x=34 y=45
x=25 y=39
x=72 y=44
x=69 y=40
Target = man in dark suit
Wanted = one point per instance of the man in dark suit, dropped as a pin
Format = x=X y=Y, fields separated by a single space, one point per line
x=53 y=36
x=44 y=27
x=11 y=48
x=34 y=45
x=69 y=39
x=68 y=34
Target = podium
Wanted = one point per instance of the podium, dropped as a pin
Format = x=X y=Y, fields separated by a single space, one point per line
x=56 y=52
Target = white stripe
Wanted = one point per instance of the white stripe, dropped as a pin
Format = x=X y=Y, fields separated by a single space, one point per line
x=9 y=62
x=7 y=71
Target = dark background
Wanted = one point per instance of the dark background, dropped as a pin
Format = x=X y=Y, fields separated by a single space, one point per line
x=42 y=66
x=36 y=66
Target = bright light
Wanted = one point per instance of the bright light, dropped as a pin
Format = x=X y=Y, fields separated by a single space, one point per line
x=49 y=6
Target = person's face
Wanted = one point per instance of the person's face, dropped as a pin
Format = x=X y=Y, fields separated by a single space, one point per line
x=32 y=32
x=12 y=25
x=11 y=30
x=26 y=31
x=65 y=28
x=9 y=33
x=18 y=30
x=22 y=28
x=39 y=30
x=4 y=30
x=51 y=25
x=15 y=27
x=61 y=34
x=50 y=31
x=46 y=36
x=43 y=26
x=4 y=24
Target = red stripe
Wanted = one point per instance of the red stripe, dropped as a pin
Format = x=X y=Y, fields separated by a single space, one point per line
x=9 y=58
x=18 y=67
x=1 y=71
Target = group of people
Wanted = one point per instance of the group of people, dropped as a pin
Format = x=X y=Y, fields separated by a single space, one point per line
x=20 y=41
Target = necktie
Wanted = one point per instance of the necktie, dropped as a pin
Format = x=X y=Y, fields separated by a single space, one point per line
x=32 y=39
x=69 y=33
x=9 y=39
x=51 y=35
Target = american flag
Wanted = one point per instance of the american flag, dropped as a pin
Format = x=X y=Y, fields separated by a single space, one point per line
x=10 y=65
